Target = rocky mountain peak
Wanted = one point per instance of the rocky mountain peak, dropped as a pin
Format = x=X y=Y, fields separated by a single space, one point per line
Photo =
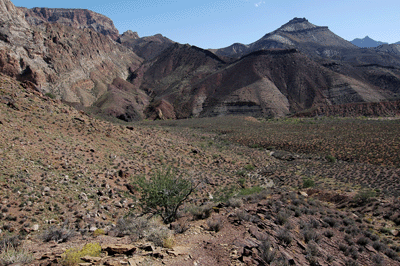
x=366 y=42
x=297 y=24
x=131 y=34
x=77 y=18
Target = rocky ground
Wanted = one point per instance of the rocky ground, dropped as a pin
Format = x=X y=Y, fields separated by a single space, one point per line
x=66 y=181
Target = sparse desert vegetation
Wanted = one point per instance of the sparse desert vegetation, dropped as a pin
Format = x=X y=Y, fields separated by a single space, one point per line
x=242 y=193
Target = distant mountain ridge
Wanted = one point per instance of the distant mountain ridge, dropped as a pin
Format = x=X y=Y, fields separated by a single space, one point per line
x=79 y=57
x=297 y=33
x=367 y=42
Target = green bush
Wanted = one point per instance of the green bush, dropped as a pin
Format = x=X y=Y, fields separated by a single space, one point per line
x=164 y=193
x=249 y=167
x=308 y=182
x=99 y=232
x=225 y=193
x=249 y=191
x=73 y=256
x=331 y=158
x=50 y=95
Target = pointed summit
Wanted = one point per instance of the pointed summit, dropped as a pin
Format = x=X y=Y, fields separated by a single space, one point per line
x=298 y=33
x=367 y=42
x=297 y=24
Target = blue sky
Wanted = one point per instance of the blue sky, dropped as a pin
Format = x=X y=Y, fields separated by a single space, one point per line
x=217 y=24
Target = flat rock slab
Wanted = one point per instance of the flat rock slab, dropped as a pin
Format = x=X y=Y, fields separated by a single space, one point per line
x=119 y=249
x=91 y=259
x=178 y=251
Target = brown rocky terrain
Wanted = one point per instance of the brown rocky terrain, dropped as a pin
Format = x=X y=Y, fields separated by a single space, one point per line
x=75 y=65
x=319 y=191
x=78 y=57
x=145 y=47
x=389 y=48
x=388 y=109
x=271 y=83
x=66 y=181
x=76 y=18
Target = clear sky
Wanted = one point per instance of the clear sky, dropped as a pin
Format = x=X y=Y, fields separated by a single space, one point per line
x=217 y=24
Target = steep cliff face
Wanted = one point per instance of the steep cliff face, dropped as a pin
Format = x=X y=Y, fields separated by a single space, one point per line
x=76 y=18
x=76 y=65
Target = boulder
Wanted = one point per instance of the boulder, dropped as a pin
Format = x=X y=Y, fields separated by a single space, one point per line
x=112 y=249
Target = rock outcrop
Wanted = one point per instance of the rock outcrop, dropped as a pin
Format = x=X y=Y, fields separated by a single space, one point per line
x=145 y=47
x=75 y=65
x=76 y=18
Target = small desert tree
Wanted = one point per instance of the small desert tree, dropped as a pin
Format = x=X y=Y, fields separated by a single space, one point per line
x=164 y=193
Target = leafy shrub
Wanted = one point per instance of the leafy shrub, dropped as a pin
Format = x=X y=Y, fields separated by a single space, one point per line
x=241 y=172
x=225 y=193
x=73 y=256
x=308 y=182
x=99 y=232
x=256 y=197
x=12 y=255
x=169 y=242
x=50 y=95
x=181 y=227
x=249 y=191
x=249 y=167
x=331 y=158
x=57 y=234
x=164 y=193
